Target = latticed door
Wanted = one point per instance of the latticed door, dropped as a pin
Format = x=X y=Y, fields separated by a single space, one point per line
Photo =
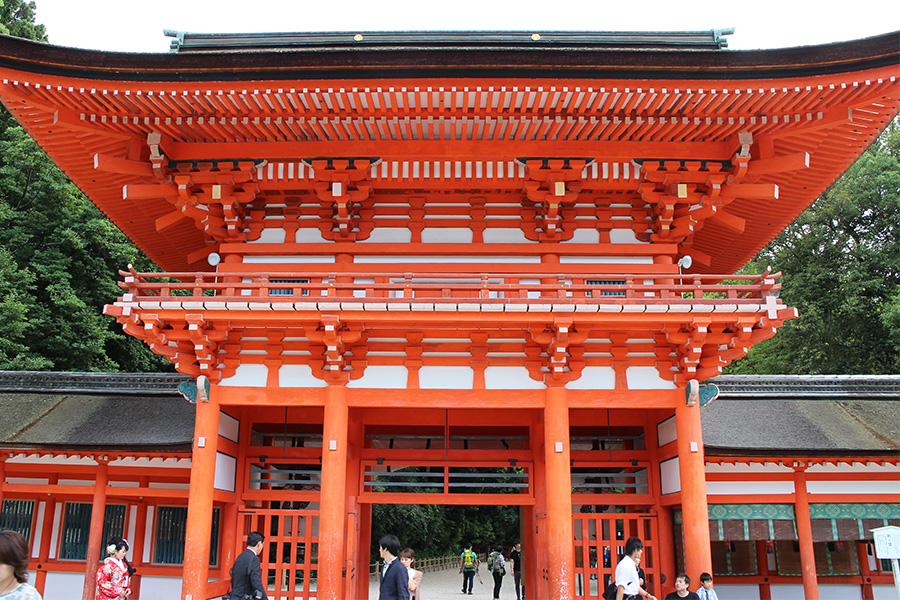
x=600 y=545
x=290 y=557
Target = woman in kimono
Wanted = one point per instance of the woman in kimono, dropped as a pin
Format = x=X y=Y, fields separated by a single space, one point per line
x=113 y=580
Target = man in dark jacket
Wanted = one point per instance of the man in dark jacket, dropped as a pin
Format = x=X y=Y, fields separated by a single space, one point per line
x=394 y=576
x=246 y=578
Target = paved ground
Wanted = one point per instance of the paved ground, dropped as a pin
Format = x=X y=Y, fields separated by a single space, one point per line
x=446 y=585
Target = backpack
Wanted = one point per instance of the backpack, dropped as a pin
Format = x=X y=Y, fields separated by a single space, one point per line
x=468 y=560
x=494 y=563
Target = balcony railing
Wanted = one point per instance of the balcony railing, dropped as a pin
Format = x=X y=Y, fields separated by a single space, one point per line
x=442 y=291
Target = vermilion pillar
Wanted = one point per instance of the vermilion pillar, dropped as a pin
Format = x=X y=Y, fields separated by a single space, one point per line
x=200 y=498
x=40 y=579
x=694 y=507
x=137 y=544
x=560 y=549
x=2 y=476
x=95 y=541
x=332 y=513
x=804 y=536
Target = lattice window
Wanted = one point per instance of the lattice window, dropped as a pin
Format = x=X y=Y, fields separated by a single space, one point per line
x=17 y=515
x=283 y=288
x=77 y=528
x=171 y=525
x=606 y=282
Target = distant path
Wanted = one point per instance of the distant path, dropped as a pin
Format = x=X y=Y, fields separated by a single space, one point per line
x=447 y=584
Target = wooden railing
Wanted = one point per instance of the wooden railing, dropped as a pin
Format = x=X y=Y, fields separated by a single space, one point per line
x=426 y=565
x=453 y=289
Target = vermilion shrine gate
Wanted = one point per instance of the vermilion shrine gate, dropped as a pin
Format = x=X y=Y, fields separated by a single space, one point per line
x=447 y=259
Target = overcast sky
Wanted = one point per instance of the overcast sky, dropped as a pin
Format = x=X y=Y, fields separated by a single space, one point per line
x=137 y=25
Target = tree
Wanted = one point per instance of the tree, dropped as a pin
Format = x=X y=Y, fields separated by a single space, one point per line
x=841 y=265
x=59 y=257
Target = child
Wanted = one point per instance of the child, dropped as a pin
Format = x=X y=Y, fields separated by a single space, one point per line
x=705 y=591
x=682 y=582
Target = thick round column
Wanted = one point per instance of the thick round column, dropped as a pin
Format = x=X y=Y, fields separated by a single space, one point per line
x=332 y=511
x=694 y=507
x=560 y=549
x=804 y=536
x=200 y=499
x=95 y=541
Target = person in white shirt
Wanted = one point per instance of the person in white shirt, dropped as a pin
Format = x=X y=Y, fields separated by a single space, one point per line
x=628 y=584
x=705 y=590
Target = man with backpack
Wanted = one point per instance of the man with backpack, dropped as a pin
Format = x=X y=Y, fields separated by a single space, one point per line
x=468 y=565
x=497 y=567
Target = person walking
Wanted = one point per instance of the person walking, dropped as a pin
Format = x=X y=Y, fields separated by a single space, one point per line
x=394 y=577
x=515 y=557
x=113 y=579
x=468 y=566
x=628 y=584
x=497 y=567
x=246 y=575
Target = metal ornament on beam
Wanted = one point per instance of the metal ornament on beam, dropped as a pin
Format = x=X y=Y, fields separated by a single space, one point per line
x=194 y=390
x=704 y=394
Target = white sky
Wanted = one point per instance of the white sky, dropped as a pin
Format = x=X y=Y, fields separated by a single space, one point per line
x=137 y=25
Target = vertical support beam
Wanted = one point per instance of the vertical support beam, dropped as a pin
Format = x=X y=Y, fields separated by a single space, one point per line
x=200 y=498
x=694 y=507
x=3 y=456
x=40 y=579
x=137 y=545
x=332 y=516
x=762 y=567
x=804 y=536
x=665 y=549
x=536 y=572
x=560 y=545
x=95 y=541
x=357 y=567
x=862 y=556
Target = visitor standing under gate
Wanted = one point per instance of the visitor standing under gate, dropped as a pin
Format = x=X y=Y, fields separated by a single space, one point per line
x=515 y=557
x=468 y=565
x=497 y=567
x=394 y=577
x=408 y=557
x=628 y=584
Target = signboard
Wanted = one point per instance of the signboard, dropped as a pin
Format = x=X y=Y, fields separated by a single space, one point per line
x=887 y=542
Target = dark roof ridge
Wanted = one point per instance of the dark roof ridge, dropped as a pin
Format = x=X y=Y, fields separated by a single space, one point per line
x=142 y=384
x=857 y=387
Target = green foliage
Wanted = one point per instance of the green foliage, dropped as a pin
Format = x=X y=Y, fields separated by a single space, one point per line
x=841 y=265
x=17 y=19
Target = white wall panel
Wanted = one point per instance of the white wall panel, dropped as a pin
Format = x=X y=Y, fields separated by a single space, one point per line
x=669 y=476
x=446 y=235
x=389 y=235
x=294 y=376
x=666 y=432
x=446 y=378
x=382 y=377
x=510 y=378
x=66 y=586
x=719 y=488
x=647 y=378
x=736 y=591
x=247 y=375
x=160 y=588
x=853 y=487
x=226 y=467
x=594 y=378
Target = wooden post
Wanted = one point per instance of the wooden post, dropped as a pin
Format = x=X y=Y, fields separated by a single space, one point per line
x=40 y=579
x=762 y=567
x=862 y=556
x=694 y=507
x=804 y=536
x=137 y=545
x=332 y=515
x=3 y=456
x=665 y=550
x=200 y=498
x=560 y=548
x=95 y=541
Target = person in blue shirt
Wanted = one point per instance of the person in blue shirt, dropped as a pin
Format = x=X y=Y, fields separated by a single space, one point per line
x=705 y=590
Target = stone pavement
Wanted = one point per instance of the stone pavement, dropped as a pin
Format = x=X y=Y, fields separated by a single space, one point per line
x=446 y=585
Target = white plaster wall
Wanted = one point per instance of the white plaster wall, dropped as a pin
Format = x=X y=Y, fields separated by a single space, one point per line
x=382 y=377
x=594 y=378
x=853 y=487
x=298 y=376
x=884 y=592
x=446 y=235
x=736 y=591
x=448 y=260
x=510 y=378
x=446 y=378
x=856 y=467
x=718 y=488
x=505 y=235
x=271 y=235
x=623 y=236
x=606 y=260
x=247 y=375
x=666 y=432
x=226 y=467
x=57 y=525
x=38 y=531
x=647 y=378
x=827 y=591
x=229 y=427
x=309 y=235
x=66 y=586
x=670 y=476
x=389 y=235
x=288 y=260
x=584 y=236
x=148 y=532
x=160 y=588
